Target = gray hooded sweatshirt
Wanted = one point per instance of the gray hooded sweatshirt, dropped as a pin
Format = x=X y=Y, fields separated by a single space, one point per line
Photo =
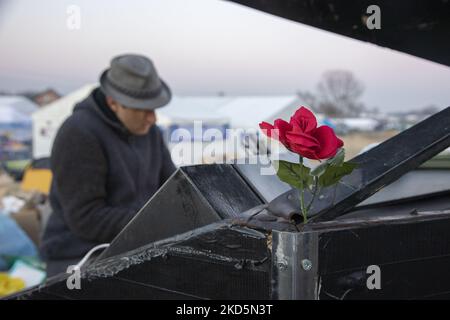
x=102 y=176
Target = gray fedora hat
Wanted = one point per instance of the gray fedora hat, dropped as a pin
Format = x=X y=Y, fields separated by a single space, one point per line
x=133 y=81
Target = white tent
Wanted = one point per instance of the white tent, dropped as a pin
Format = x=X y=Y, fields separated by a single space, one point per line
x=247 y=112
x=192 y=108
x=48 y=119
x=9 y=116
x=184 y=122
x=19 y=104
x=238 y=114
x=358 y=124
x=15 y=116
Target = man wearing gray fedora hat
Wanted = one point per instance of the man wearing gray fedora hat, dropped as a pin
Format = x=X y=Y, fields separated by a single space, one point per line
x=108 y=159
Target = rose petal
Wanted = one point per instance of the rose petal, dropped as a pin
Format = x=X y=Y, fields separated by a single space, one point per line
x=302 y=139
x=266 y=127
x=283 y=126
x=304 y=152
x=303 y=120
x=276 y=131
x=328 y=142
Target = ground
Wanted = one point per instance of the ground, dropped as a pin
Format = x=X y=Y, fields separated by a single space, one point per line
x=355 y=142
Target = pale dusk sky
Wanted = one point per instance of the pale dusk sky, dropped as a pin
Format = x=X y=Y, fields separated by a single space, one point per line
x=201 y=47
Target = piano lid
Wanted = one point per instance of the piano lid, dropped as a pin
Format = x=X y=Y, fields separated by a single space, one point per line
x=420 y=28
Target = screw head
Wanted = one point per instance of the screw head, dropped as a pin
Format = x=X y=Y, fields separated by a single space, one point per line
x=306 y=264
x=282 y=265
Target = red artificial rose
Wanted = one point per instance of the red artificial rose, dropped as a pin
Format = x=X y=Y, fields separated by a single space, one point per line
x=301 y=135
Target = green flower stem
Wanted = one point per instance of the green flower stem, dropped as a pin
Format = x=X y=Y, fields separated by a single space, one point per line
x=315 y=191
x=302 y=198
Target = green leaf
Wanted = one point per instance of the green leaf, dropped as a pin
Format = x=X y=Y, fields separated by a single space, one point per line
x=320 y=169
x=333 y=174
x=337 y=160
x=295 y=174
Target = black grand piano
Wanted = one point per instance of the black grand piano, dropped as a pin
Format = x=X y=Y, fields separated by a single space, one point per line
x=225 y=231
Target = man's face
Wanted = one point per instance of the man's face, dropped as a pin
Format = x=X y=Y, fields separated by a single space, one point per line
x=137 y=121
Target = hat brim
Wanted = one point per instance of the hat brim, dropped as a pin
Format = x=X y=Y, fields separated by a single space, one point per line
x=162 y=99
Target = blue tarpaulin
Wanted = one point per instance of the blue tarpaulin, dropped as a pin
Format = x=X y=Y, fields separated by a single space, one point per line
x=13 y=241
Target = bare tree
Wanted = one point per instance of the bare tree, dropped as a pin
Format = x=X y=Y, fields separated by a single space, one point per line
x=309 y=99
x=338 y=93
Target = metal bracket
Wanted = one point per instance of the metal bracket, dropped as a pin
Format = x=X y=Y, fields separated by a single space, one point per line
x=295 y=265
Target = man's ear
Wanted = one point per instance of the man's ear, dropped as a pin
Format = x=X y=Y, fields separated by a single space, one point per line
x=112 y=104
